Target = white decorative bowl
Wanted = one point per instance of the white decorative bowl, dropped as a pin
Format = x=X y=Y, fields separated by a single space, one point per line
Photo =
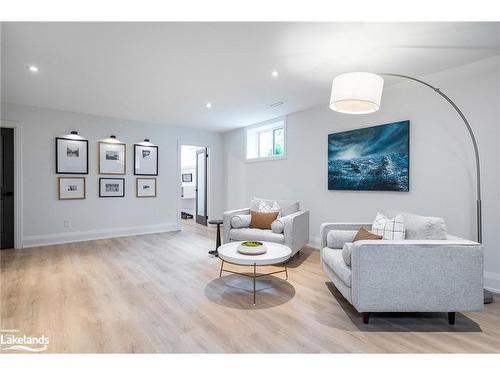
x=252 y=250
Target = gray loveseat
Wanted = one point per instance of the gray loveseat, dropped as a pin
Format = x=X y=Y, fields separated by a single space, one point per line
x=292 y=227
x=403 y=276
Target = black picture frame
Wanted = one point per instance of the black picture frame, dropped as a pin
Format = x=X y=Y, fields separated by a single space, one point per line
x=111 y=196
x=58 y=167
x=136 y=172
x=187 y=177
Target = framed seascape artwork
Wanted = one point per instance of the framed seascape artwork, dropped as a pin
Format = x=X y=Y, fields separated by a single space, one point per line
x=111 y=187
x=187 y=177
x=145 y=160
x=71 y=187
x=72 y=156
x=374 y=158
x=112 y=158
x=145 y=187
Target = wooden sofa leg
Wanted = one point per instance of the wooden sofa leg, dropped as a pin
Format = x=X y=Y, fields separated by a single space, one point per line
x=451 y=318
x=366 y=317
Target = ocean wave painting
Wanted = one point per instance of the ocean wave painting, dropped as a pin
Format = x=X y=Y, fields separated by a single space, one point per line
x=374 y=158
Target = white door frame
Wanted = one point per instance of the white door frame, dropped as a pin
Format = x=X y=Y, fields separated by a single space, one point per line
x=18 y=180
x=184 y=142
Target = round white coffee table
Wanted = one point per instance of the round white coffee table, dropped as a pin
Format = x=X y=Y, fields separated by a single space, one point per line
x=276 y=254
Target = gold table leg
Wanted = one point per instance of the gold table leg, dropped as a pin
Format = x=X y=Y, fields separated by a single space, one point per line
x=221 y=266
x=254 y=275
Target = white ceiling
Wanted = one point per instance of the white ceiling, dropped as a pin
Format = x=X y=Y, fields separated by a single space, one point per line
x=166 y=72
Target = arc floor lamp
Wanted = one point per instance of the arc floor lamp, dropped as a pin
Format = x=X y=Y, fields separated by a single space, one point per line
x=361 y=93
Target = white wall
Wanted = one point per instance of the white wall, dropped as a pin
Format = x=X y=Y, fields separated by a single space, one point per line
x=94 y=217
x=442 y=176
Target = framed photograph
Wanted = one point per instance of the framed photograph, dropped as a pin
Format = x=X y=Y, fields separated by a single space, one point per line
x=71 y=188
x=145 y=160
x=187 y=177
x=111 y=187
x=112 y=158
x=375 y=158
x=72 y=156
x=145 y=187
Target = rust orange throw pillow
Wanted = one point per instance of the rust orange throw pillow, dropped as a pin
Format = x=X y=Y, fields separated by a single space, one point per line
x=363 y=234
x=262 y=220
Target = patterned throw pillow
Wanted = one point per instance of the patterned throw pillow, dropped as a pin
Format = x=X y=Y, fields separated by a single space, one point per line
x=390 y=229
x=268 y=206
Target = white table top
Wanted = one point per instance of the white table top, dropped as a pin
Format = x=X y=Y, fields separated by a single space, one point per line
x=276 y=253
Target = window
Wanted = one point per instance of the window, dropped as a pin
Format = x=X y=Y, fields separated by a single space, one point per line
x=266 y=141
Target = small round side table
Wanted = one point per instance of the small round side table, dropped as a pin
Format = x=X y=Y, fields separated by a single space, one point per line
x=217 y=238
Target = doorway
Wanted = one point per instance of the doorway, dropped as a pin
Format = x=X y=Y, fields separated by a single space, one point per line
x=6 y=188
x=194 y=184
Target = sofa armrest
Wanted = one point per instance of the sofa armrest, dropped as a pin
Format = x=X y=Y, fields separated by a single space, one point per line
x=226 y=225
x=417 y=275
x=326 y=227
x=450 y=237
x=296 y=230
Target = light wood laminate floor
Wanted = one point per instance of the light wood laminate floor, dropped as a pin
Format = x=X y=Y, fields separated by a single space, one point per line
x=161 y=293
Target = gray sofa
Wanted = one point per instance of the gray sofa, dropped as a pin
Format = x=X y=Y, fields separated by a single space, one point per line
x=294 y=225
x=403 y=276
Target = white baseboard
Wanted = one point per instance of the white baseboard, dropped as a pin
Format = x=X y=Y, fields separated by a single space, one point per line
x=492 y=281
x=314 y=241
x=98 y=234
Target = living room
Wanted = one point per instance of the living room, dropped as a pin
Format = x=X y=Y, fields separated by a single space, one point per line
x=250 y=187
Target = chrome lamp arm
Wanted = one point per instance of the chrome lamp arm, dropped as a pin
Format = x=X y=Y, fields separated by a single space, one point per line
x=474 y=143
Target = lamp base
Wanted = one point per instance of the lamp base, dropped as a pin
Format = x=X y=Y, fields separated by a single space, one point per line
x=488 y=296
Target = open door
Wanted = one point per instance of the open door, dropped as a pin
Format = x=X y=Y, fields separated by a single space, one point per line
x=201 y=186
x=6 y=188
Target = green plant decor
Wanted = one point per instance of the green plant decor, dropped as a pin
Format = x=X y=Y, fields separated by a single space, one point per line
x=251 y=244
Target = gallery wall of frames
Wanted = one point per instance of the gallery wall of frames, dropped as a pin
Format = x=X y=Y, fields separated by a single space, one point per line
x=72 y=158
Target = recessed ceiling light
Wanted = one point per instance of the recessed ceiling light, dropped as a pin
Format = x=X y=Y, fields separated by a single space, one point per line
x=208 y=105
x=274 y=73
x=33 y=68
x=277 y=104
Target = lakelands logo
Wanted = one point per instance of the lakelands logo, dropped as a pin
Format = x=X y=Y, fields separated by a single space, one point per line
x=11 y=340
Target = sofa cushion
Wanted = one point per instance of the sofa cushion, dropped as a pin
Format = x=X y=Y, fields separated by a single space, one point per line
x=288 y=207
x=364 y=234
x=262 y=220
x=250 y=234
x=240 y=221
x=390 y=229
x=346 y=253
x=278 y=225
x=423 y=227
x=333 y=259
x=285 y=207
x=337 y=238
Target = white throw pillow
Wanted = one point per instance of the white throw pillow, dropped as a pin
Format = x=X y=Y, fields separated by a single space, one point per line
x=277 y=226
x=240 y=221
x=284 y=207
x=265 y=205
x=346 y=253
x=336 y=238
x=389 y=229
